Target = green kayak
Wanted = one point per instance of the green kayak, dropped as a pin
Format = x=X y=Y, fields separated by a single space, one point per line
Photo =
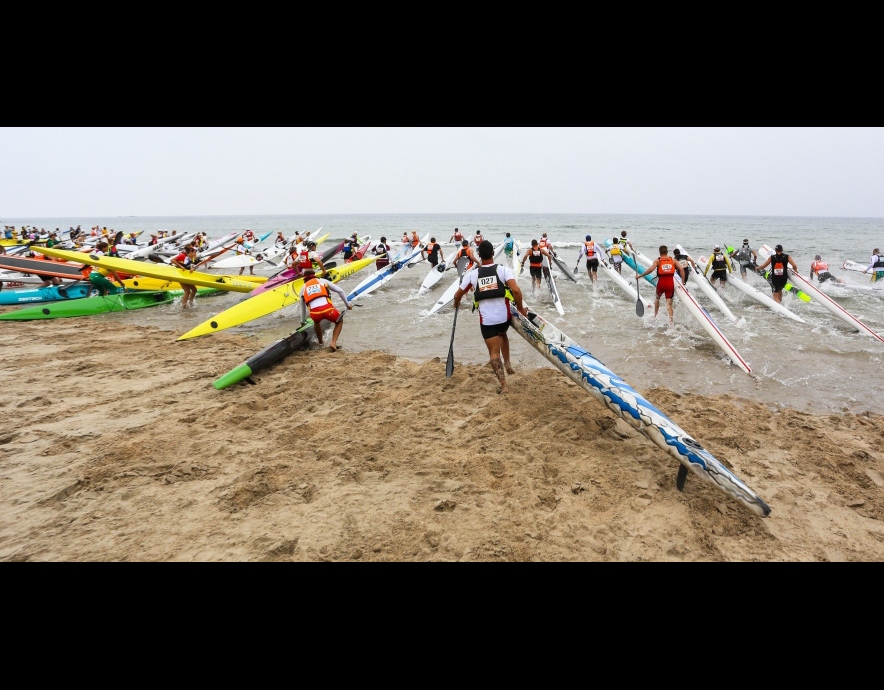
x=88 y=306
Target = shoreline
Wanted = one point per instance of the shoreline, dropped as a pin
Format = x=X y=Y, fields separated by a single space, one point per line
x=369 y=456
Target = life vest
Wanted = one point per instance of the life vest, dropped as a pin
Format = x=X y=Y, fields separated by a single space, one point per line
x=879 y=264
x=304 y=259
x=535 y=257
x=666 y=267
x=778 y=265
x=743 y=254
x=432 y=248
x=719 y=263
x=589 y=248
x=543 y=242
x=458 y=236
x=314 y=288
x=819 y=266
x=415 y=240
x=615 y=250
x=489 y=285
x=622 y=241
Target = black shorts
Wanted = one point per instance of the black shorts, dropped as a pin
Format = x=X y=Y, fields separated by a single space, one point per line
x=494 y=330
x=536 y=271
x=824 y=276
x=720 y=275
x=778 y=283
x=592 y=264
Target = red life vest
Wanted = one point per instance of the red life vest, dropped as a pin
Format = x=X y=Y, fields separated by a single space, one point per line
x=589 y=249
x=304 y=261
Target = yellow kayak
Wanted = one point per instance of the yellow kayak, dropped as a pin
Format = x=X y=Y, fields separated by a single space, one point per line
x=269 y=302
x=153 y=270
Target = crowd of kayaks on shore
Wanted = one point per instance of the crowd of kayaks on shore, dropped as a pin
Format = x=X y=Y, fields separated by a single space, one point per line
x=65 y=264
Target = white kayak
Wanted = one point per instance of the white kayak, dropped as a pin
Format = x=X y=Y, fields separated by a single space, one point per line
x=517 y=258
x=820 y=297
x=854 y=266
x=434 y=275
x=447 y=297
x=709 y=290
x=757 y=295
x=553 y=290
x=696 y=310
x=620 y=281
x=617 y=396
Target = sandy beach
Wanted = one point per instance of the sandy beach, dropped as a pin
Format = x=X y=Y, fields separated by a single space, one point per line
x=116 y=447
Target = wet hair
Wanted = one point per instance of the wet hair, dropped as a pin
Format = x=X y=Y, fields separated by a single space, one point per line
x=486 y=250
x=664 y=249
x=817 y=258
x=676 y=251
x=465 y=243
x=383 y=239
x=533 y=243
x=623 y=233
x=876 y=251
x=507 y=234
x=432 y=239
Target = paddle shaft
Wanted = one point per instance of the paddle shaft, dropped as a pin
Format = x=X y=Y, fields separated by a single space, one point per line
x=639 y=307
x=449 y=366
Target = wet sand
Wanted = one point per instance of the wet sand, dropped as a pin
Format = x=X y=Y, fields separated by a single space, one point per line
x=112 y=454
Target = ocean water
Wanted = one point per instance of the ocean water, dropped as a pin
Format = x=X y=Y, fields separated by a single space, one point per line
x=819 y=366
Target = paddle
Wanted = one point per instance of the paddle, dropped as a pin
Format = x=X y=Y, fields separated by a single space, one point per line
x=449 y=365
x=639 y=307
x=577 y=266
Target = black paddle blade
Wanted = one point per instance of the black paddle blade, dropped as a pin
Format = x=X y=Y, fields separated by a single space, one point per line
x=639 y=307
x=449 y=365
x=681 y=478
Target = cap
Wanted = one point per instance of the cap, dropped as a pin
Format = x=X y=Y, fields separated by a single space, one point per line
x=745 y=241
x=311 y=243
x=779 y=248
x=716 y=247
x=588 y=238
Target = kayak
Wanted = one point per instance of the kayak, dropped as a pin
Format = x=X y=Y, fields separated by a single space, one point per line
x=563 y=268
x=624 y=401
x=463 y=265
x=760 y=297
x=553 y=290
x=517 y=258
x=50 y=293
x=152 y=270
x=89 y=306
x=383 y=276
x=821 y=298
x=694 y=308
x=269 y=356
x=434 y=275
x=624 y=284
x=709 y=289
x=42 y=267
x=268 y=302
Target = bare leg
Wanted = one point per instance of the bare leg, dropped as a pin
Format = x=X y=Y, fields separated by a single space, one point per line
x=656 y=306
x=317 y=327
x=505 y=351
x=333 y=346
x=669 y=309
x=493 y=345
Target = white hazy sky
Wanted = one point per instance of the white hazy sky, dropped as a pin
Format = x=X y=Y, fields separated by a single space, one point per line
x=83 y=172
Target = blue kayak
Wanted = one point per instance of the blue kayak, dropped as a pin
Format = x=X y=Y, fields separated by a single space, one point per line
x=52 y=293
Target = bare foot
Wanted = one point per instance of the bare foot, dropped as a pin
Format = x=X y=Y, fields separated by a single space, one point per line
x=503 y=391
x=509 y=368
x=333 y=348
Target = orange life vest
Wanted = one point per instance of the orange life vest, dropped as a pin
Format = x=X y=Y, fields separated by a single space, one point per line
x=666 y=267
x=589 y=248
x=313 y=288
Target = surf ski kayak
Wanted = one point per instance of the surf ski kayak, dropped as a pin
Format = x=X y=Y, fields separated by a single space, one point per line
x=385 y=275
x=153 y=270
x=553 y=290
x=694 y=308
x=564 y=269
x=757 y=295
x=709 y=289
x=822 y=298
x=89 y=306
x=434 y=275
x=621 y=282
x=50 y=293
x=269 y=356
x=254 y=307
x=619 y=397
x=463 y=265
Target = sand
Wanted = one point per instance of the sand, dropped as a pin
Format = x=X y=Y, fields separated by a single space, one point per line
x=116 y=447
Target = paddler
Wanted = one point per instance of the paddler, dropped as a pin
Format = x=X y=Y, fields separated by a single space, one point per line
x=186 y=261
x=666 y=268
x=465 y=250
x=494 y=286
x=616 y=254
x=684 y=261
x=820 y=269
x=382 y=251
x=433 y=252
x=308 y=258
x=94 y=276
x=876 y=264
x=779 y=274
x=745 y=256
x=315 y=295
x=720 y=265
x=590 y=251
x=457 y=237
x=534 y=257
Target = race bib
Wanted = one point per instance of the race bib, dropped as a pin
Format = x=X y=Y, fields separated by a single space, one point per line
x=489 y=283
x=778 y=271
x=314 y=289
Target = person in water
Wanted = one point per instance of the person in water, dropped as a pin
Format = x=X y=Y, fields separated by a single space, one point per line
x=493 y=286
x=820 y=270
x=745 y=256
x=720 y=265
x=779 y=274
x=666 y=268
x=876 y=264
